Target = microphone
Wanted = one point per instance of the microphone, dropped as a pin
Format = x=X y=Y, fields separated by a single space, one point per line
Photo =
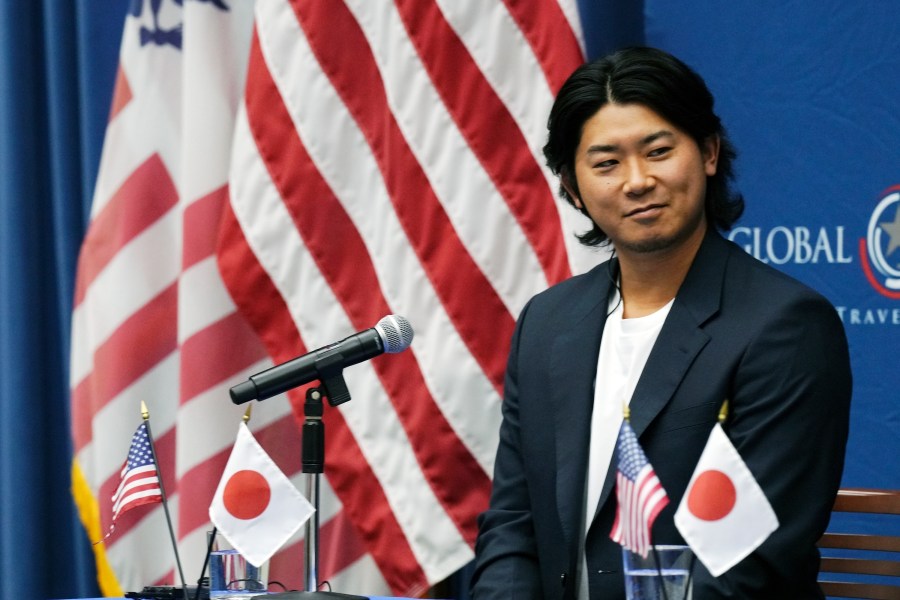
x=391 y=334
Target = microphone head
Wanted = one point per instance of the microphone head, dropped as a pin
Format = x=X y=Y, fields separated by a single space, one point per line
x=396 y=333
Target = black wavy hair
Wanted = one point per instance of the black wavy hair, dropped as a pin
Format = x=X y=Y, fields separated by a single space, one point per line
x=659 y=81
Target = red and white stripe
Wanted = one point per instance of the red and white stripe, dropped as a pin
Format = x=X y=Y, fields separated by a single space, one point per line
x=640 y=502
x=139 y=486
x=385 y=158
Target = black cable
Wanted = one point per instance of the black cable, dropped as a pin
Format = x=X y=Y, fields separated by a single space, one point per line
x=614 y=281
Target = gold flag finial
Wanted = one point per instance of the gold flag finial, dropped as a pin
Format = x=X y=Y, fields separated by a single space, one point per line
x=247 y=413
x=626 y=412
x=145 y=414
x=723 y=412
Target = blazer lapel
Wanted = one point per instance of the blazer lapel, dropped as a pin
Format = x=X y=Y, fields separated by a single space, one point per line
x=573 y=369
x=680 y=339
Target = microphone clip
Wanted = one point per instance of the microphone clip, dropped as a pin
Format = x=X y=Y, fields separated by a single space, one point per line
x=330 y=368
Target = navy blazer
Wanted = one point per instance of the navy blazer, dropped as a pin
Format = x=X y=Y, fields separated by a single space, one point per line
x=738 y=329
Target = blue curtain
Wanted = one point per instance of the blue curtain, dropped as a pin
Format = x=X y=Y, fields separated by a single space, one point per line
x=57 y=68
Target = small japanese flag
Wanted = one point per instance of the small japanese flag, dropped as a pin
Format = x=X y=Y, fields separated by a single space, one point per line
x=724 y=515
x=256 y=507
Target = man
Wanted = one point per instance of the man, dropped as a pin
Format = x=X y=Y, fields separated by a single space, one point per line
x=676 y=323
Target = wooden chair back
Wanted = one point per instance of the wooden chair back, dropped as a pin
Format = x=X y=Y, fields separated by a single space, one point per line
x=856 y=500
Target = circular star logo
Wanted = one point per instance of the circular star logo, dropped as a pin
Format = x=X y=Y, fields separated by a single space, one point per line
x=880 y=251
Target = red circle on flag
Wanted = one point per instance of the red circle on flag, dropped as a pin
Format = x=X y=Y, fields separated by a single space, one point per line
x=712 y=496
x=246 y=494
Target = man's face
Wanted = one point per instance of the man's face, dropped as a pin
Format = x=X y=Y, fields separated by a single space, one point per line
x=642 y=179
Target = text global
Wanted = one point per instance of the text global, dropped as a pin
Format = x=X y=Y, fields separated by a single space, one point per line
x=799 y=245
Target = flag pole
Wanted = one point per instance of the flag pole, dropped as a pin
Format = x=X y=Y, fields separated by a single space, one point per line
x=145 y=414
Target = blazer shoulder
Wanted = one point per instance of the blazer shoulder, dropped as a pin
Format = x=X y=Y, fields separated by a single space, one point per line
x=750 y=273
x=577 y=293
x=762 y=291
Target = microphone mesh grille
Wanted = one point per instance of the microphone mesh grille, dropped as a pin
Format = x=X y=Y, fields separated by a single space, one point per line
x=396 y=333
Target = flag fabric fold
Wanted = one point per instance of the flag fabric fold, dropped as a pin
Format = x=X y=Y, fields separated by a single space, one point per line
x=639 y=494
x=256 y=507
x=724 y=514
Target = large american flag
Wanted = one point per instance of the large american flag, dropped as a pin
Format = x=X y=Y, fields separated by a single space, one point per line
x=639 y=494
x=273 y=182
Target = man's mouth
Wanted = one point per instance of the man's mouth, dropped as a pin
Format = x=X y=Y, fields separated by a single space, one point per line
x=648 y=209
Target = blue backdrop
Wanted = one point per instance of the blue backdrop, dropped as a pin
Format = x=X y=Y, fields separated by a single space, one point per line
x=808 y=91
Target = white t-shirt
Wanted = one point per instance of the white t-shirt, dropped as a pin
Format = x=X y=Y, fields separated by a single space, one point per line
x=624 y=349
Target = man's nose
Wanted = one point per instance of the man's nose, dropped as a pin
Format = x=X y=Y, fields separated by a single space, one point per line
x=638 y=179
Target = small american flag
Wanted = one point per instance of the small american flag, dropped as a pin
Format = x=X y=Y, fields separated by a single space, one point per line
x=640 y=495
x=140 y=478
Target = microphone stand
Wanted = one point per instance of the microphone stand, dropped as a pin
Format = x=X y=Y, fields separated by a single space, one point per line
x=313 y=457
x=313 y=465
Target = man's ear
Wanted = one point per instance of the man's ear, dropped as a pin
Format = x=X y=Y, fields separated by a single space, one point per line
x=710 y=150
x=571 y=189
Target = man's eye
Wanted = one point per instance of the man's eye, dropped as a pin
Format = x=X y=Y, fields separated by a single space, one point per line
x=657 y=152
x=605 y=164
